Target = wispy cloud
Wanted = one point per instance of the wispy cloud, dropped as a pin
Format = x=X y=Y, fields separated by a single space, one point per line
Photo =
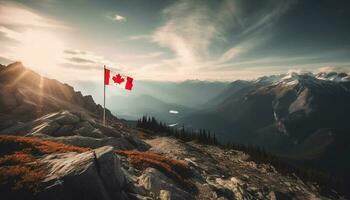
x=14 y=14
x=85 y=60
x=119 y=18
x=187 y=32
x=140 y=37
x=192 y=30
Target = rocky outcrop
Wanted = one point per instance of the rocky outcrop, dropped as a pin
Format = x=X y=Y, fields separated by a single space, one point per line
x=91 y=175
x=118 y=143
x=225 y=174
x=53 y=124
x=73 y=128
x=155 y=181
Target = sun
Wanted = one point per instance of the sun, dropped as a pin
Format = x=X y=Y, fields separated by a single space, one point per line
x=38 y=49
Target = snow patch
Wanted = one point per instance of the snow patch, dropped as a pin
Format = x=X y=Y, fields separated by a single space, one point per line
x=173 y=112
x=172 y=125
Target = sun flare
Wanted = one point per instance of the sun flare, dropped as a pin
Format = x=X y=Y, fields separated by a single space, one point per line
x=38 y=49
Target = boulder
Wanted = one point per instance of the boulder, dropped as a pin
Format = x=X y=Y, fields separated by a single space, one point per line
x=139 y=144
x=154 y=181
x=65 y=130
x=107 y=130
x=7 y=123
x=47 y=128
x=91 y=175
x=84 y=129
x=66 y=117
x=165 y=195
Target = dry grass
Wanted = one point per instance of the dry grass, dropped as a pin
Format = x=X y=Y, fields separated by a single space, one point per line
x=20 y=171
x=34 y=146
x=176 y=169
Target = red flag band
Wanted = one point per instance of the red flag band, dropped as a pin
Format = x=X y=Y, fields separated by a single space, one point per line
x=129 y=84
x=120 y=80
x=107 y=75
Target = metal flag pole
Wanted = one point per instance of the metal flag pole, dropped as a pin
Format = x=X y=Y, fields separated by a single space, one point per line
x=104 y=97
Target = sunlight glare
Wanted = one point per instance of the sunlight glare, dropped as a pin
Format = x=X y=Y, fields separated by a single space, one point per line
x=40 y=50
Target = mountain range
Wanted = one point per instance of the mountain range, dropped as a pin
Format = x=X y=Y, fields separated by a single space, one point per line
x=155 y=98
x=301 y=115
x=53 y=145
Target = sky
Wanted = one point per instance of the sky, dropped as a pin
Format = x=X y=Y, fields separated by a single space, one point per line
x=175 y=40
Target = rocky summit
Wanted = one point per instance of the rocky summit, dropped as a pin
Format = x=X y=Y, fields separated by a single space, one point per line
x=53 y=146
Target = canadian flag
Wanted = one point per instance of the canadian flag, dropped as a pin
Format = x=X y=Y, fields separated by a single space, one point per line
x=117 y=79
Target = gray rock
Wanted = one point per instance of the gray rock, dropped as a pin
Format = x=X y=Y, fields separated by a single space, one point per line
x=139 y=144
x=65 y=130
x=84 y=129
x=8 y=123
x=89 y=175
x=107 y=131
x=66 y=117
x=47 y=128
x=81 y=141
x=17 y=129
x=154 y=181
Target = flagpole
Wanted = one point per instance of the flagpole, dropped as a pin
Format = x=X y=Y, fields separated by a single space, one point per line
x=104 y=97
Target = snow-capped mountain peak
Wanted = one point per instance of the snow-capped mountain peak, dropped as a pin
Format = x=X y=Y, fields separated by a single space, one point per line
x=333 y=76
x=292 y=78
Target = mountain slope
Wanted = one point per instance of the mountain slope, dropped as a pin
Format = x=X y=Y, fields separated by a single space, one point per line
x=28 y=95
x=304 y=116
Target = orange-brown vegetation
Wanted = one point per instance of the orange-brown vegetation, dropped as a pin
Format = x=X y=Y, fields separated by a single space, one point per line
x=20 y=171
x=177 y=169
x=34 y=146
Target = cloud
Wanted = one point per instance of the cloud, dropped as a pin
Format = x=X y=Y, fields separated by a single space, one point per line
x=119 y=18
x=140 y=37
x=13 y=14
x=80 y=60
x=75 y=52
x=188 y=31
x=85 y=60
x=202 y=36
x=270 y=14
x=334 y=68
x=150 y=55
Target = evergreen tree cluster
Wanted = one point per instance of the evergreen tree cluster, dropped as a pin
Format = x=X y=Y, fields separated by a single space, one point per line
x=201 y=136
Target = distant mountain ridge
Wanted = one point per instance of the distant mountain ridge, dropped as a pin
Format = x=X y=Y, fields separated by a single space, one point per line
x=303 y=115
x=136 y=106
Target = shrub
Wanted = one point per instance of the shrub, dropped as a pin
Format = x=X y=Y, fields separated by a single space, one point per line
x=20 y=172
x=34 y=146
x=176 y=169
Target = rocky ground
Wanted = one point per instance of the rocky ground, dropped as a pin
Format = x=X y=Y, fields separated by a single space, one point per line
x=100 y=173
x=229 y=175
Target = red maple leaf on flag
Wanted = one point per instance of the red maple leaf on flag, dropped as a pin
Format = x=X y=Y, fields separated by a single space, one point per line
x=118 y=79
